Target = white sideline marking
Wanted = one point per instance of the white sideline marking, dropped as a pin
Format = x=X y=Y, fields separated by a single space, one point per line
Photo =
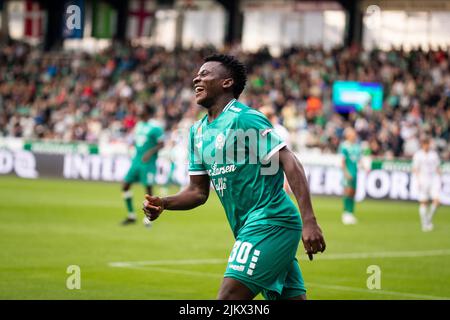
x=385 y=254
x=179 y=271
x=325 y=286
x=166 y=262
x=337 y=256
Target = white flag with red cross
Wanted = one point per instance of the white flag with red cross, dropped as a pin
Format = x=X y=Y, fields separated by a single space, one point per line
x=141 y=15
x=34 y=19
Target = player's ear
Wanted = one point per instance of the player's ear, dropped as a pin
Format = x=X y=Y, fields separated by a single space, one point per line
x=227 y=83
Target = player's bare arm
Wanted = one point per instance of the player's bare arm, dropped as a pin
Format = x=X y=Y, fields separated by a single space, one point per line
x=196 y=194
x=344 y=168
x=312 y=237
x=152 y=151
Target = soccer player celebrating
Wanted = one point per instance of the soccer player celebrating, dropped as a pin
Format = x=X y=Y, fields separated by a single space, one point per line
x=265 y=222
x=351 y=153
x=426 y=170
x=148 y=140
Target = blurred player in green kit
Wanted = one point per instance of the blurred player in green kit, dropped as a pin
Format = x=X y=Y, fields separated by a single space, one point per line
x=148 y=140
x=351 y=153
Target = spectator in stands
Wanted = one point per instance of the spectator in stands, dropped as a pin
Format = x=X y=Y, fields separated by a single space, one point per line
x=77 y=96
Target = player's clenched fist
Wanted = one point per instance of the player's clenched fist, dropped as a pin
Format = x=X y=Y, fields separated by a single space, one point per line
x=152 y=207
x=312 y=238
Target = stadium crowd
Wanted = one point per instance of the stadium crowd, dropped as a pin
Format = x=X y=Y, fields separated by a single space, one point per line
x=74 y=96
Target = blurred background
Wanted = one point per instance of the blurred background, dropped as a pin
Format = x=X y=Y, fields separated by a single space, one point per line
x=73 y=75
x=64 y=90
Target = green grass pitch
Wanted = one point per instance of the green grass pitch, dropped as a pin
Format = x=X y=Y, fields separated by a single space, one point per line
x=47 y=225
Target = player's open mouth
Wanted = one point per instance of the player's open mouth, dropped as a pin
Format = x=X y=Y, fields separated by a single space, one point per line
x=198 y=89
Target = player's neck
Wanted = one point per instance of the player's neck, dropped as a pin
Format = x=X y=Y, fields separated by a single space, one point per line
x=216 y=109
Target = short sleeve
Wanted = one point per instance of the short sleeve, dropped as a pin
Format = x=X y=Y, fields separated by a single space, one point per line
x=341 y=149
x=267 y=142
x=158 y=133
x=196 y=166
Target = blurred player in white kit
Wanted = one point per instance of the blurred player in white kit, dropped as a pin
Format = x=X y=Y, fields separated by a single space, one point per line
x=426 y=169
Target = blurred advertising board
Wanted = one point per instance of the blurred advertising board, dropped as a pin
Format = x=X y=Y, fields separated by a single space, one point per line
x=385 y=180
x=56 y=147
x=350 y=96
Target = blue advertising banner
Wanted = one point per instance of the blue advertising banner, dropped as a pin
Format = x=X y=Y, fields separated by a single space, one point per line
x=73 y=21
x=350 y=96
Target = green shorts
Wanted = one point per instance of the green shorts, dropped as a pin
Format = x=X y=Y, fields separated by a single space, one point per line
x=351 y=183
x=263 y=259
x=139 y=171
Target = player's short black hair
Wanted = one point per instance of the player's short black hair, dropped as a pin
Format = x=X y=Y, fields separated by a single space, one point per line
x=237 y=70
